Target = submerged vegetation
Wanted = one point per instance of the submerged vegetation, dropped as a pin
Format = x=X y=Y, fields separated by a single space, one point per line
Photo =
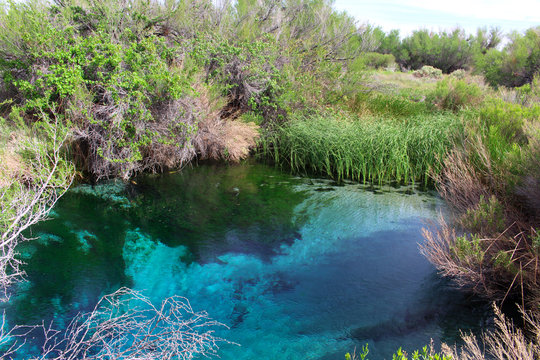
x=104 y=89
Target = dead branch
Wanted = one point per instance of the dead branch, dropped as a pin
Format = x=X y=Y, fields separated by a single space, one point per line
x=126 y=325
x=26 y=201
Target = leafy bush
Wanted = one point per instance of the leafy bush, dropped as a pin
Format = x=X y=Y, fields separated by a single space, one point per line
x=428 y=72
x=516 y=64
x=129 y=106
x=468 y=250
x=378 y=61
x=486 y=218
x=459 y=74
x=452 y=94
x=447 y=51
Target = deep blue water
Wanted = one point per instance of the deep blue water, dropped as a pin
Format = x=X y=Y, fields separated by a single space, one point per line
x=298 y=268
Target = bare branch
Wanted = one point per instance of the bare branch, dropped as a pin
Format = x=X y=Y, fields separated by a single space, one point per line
x=126 y=325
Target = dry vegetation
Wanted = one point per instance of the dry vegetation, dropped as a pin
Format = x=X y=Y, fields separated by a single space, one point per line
x=507 y=342
x=124 y=325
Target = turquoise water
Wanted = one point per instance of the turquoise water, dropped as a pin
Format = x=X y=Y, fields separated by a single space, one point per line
x=298 y=268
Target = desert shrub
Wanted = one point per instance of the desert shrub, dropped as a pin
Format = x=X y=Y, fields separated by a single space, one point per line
x=367 y=149
x=447 y=51
x=249 y=73
x=504 y=125
x=452 y=94
x=459 y=74
x=529 y=94
x=378 y=61
x=487 y=217
x=516 y=64
x=468 y=249
x=128 y=106
x=428 y=72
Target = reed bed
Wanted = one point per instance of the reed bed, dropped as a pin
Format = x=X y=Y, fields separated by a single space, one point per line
x=364 y=149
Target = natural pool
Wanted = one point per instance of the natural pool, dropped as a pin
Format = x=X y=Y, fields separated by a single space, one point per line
x=299 y=268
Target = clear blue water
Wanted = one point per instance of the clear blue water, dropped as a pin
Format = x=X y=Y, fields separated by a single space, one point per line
x=298 y=268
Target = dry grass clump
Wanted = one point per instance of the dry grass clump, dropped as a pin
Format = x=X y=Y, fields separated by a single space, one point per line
x=459 y=183
x=499 y=256
x=496 y=267
x=223 y=139
x=505 y=343
x=12 y=167
x=400 y=80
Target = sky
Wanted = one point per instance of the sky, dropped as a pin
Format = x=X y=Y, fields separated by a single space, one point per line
x=409 y=15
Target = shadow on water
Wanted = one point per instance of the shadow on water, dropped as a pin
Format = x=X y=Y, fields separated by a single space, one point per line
x=297 y=267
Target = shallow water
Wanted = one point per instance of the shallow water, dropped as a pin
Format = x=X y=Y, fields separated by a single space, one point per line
x=298 y=268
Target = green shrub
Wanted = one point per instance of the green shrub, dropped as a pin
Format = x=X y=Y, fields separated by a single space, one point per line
x=487 y=217
x=502 y=128
x=468 y=250
x=428 y=72
x=377 y=61
x=453 y=94
x=459 y=74
x=516 y=64
x=125 y=101
x=427 y=353
x=447 y=51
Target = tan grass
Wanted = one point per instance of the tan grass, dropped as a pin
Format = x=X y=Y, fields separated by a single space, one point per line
x=400 y=81
x=459 y=182
x=12 y=167
x=219 y=138
x=506 y=342
x=227 y=140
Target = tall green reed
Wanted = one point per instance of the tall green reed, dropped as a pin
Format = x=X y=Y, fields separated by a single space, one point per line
x=364 y=149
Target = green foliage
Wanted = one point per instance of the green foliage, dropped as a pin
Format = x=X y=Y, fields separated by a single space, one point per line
x=503 y=125
x=453 y=94
x=459 y=74
x=41 y=172
x=503 y=260
x=535 y=240
x=425 y=354
x=468 y=249
x=368 y=149
x=377 y=61
x=389 y=105
x=112 y=88
x=387 y=43
x=360 y=356
x=487 y=217
x=516 y=64
x=447 y=51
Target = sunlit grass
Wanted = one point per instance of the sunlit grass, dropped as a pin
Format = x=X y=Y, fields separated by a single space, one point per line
x=364 y=149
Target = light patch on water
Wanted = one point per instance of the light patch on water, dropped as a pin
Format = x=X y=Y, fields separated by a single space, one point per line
x=85 y=240
x=258 y=299
x=236 y=290
x=112 y=191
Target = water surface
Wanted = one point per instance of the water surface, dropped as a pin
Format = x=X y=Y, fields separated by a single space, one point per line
x=298 y=268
